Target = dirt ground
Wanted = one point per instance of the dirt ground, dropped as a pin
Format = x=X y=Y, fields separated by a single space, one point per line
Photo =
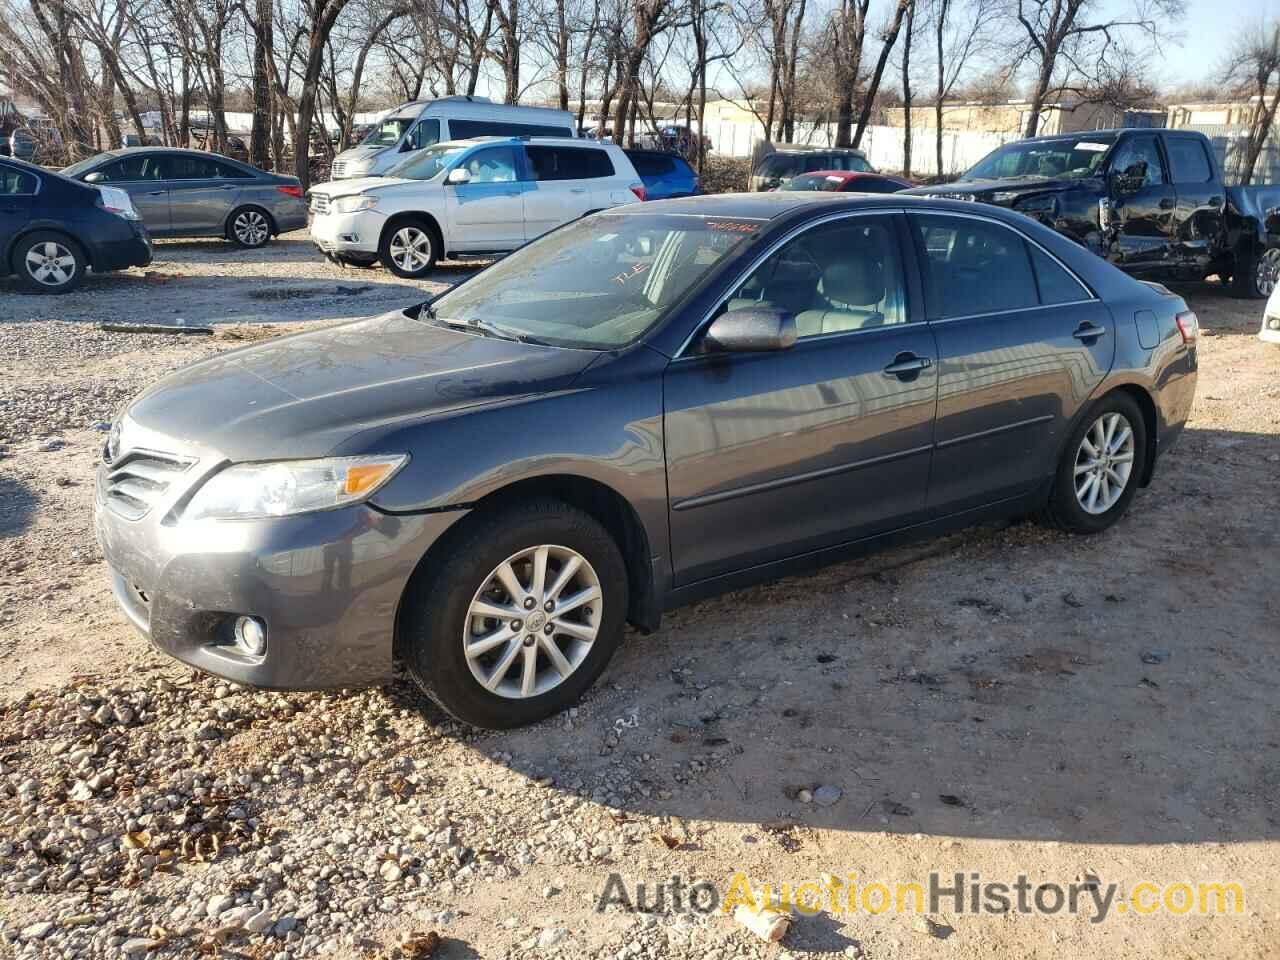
x=1005 y=701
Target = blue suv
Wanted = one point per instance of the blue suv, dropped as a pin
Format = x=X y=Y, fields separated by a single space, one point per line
x=665 y=175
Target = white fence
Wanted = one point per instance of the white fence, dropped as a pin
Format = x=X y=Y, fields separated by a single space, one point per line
x=884 y=146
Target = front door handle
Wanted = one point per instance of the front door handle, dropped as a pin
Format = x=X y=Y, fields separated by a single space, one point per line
x=1166 y=203
x=1089 y=331
x=1215 y=201
x=907 y=366
x=577 y=189
x=157 y=193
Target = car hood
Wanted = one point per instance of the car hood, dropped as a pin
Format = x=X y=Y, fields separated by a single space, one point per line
x=304 y=395
x=360 y=155
x=346 y=188
x=986 y=190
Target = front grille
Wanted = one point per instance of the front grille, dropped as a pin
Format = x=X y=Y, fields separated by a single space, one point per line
x=339 y=169
x=134 y=483
x=320 y=203
x=954 y=196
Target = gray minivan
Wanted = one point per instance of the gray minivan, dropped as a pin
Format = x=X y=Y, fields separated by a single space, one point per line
x=421 y=123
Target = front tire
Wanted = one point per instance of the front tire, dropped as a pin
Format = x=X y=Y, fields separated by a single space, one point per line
x=1101 y=467
x=409 y=248
x=48 y=262
x=517 y=616
x=249 y=228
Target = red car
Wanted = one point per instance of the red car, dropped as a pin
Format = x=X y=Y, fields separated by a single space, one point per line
x=847 y=181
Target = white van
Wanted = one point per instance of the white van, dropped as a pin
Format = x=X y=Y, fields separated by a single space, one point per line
x=421 y=123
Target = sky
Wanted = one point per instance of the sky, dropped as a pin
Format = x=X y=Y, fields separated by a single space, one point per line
x=1208 y=30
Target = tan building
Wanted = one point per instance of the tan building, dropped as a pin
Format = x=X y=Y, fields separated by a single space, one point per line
x=1010 y=117
x=1225 y=113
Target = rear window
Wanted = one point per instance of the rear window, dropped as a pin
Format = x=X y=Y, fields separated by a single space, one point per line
x=1188 y=161
x=652 y=164
x=569 y=163
x=817 y=181
x=467 y=129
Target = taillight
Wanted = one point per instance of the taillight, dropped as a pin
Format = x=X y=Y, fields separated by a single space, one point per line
x=290 y=191
x=1188 y=326
x=638 y=190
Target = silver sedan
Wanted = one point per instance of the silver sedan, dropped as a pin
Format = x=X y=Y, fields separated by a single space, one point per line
x=190 y=193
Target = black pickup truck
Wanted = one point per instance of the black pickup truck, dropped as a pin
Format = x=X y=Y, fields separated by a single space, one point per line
x=1153 y=202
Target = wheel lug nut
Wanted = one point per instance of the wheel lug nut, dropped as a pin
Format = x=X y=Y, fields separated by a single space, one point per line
x=516 y=624
x=548 y=606
x=548 y=629
x=530 y=603
x=529 y=640
x=586 y=611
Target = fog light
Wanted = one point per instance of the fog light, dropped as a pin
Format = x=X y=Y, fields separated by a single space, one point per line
x=1273 y=323
x=251 y=635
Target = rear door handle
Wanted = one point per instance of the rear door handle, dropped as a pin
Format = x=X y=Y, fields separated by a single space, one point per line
x=906 y=366
x=1166 y=203
x=1089 y=331
x=577 y=189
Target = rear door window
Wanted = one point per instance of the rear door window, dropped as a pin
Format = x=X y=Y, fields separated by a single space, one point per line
x=466 y=129
x=1188 y=162
x=228 y=172
x=16 y=183
x=568 y=163
x=1055 y=283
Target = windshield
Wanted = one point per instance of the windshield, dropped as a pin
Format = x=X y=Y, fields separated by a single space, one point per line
x=80 y=167
x=427 y=163
x=812 y=181
x=1068 y=158
x=388 y=132
x=598 y=283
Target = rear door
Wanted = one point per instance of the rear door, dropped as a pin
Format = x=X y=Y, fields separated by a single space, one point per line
x=561 y=188
x=1201 y=204
x=1143 y=209
x=487 y=213
x=17 y=187
x=200 y=195
x=772 y=455
x=1021 y=342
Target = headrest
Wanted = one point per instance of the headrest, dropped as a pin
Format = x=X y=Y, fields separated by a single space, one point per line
x=858 y=282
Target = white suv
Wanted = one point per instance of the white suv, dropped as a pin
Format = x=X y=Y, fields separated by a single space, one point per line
x=471 y=197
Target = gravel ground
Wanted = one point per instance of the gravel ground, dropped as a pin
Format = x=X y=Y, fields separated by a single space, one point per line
x=1008 y=700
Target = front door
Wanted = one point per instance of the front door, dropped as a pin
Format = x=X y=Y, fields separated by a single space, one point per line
x=1021 y=344
x=1199 y=219
x=487 y=213
x=1143 y=207
x=772 y=455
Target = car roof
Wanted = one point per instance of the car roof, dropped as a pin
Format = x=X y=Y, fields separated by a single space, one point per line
x=529 y=141
x=133 y=151
x=778 y=204
x=849 y=174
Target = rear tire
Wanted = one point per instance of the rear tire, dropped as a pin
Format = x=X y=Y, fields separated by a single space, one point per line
x=249 y=227
x=49 y=262
x=1108 y=449
x=1256 y=272
x=457 y=654
x=410 y=248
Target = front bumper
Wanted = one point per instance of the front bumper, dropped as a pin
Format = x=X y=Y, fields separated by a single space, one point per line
x=337 y=233
x=327 y=585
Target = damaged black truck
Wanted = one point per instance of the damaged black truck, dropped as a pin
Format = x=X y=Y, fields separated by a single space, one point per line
x=1152 y=201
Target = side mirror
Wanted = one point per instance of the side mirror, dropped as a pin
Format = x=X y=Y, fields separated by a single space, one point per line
x=96 y=177
x=458 y=176
x=751 y=330
x=1126 y=183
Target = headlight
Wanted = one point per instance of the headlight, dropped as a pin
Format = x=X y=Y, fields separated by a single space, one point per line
x=355 y=204
x=254 y=490
x=1034 y=206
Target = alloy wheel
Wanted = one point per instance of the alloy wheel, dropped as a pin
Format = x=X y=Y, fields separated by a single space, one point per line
x=533 y=621
x=1268 y=271
x=51 y=264
x=1104 y=462
x=251 y=228
x=410 y=249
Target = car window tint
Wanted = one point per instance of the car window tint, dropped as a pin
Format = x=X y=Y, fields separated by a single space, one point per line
x=466 y=129
x=649 y=164
x=16 y=182
x=228 y=172
x=178 y=166
x=974 y=267
x=871 y=185
x=424 y=134
x=1137 y=160
x=835 y=278
x=780 y=165
x=568 y=163
x=1056 y=284
x=138 y=167
x=1187 y=160
x=494 y=165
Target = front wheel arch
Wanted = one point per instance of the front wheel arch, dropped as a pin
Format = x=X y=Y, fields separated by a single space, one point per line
x=416 y=218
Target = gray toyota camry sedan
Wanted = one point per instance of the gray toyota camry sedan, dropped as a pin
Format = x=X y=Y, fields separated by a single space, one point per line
x=644 y=407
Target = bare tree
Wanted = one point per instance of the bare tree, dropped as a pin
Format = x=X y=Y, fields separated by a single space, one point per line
x=958 y=40
x=906 y=89
x=1253 y=68
x=889 y=38
x=1067 y=41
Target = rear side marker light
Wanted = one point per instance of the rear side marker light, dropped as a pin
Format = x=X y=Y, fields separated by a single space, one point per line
x=1188 y=326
